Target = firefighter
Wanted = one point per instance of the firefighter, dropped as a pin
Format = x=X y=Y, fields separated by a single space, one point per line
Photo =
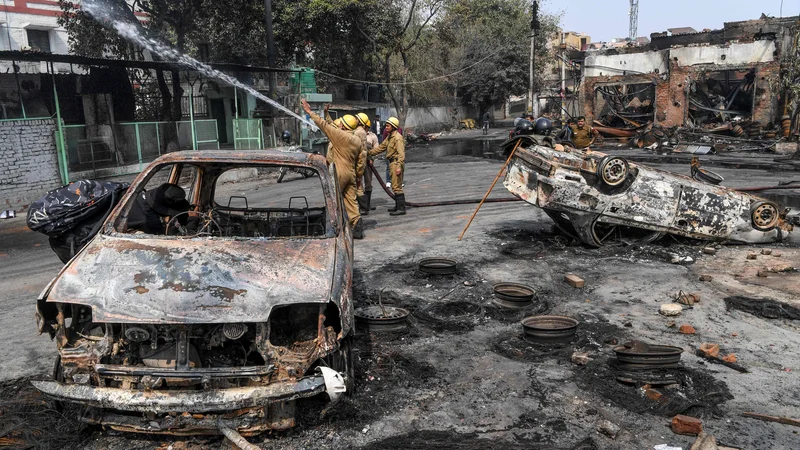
x=344 y=150
x=395 y=149
x=372 y=142
x=363 y=175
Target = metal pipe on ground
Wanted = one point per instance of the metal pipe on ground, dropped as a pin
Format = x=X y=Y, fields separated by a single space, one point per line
x=234 y=436
x=442 y=203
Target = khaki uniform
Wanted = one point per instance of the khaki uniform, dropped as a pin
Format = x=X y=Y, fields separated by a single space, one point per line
x=361 y=163
x=343 y=151
x=582 y=137
x=395 y=148
x=372 y=142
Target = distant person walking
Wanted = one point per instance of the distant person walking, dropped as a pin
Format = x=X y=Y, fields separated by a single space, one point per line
x=486 y=119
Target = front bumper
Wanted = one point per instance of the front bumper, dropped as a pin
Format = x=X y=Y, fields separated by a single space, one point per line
x=201 y=401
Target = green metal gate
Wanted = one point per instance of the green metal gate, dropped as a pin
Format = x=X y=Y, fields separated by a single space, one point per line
x=247 y=134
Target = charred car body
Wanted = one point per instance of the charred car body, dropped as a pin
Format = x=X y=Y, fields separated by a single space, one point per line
x=596 y=198
x=231 y=317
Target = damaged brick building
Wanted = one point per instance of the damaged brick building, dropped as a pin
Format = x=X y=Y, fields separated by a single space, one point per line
x=692 y=79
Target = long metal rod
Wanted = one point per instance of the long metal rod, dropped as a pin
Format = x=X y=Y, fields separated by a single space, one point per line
x=138 y=146
x=465 y=201
x=236 y=120
x=490 y=188
x=191 y=115
x=61 y=144
x=19 y=89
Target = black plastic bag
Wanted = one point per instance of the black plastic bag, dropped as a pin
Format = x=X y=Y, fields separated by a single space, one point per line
x=62 y=209
x=71 y=215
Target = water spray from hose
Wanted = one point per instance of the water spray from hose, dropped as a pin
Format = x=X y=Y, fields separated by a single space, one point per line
x=132 y=32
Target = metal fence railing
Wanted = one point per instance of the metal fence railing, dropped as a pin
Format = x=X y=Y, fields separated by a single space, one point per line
x=97 y=151
x=248 y=134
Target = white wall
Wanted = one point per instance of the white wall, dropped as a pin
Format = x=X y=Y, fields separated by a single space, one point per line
x=734 y=54
x=15 y=26
x=433 y=118
x=610 y=65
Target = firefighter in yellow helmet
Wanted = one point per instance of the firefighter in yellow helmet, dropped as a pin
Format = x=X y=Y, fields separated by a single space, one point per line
x=344 y=150
x=363 y=175
x=395 y=149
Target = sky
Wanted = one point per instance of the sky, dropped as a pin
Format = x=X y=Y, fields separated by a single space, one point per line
x=604 y=20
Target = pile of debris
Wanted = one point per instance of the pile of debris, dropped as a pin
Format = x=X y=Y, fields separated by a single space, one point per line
x=738 y=136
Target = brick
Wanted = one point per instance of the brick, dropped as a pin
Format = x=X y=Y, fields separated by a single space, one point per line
x=652 y=394
x=574 y=281
x=686 y=329
x=670 y=309
x=709 y=349
x=706 y=278
x=710 y=251
x=580 y=358
x=686 y=425
x=752 y=255
x=608 y=428
x=766 y=251
x=730 y=358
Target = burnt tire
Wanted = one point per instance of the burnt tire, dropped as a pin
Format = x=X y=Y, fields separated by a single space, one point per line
x=612 y=170
x=342 y=362
x=764 y=215
x=563 y=223
x=58 y=375
x=609 y=234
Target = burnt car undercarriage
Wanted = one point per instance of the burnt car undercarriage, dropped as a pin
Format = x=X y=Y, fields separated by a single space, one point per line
x=597 y=198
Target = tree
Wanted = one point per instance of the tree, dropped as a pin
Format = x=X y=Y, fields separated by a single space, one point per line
x=324 y=34
x=171 y=21
x=492 y=39
x=402 y=26
x=790 y=87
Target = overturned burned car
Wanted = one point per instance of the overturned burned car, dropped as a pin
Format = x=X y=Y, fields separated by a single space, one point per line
x=597 y=198
x=223 y=319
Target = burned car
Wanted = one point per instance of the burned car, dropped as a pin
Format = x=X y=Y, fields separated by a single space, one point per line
x=234 y=309
x=597 y=198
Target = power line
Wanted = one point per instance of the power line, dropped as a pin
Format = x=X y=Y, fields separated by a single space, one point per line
x=407 y=82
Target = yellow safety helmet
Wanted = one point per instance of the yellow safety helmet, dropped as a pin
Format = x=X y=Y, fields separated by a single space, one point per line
x=393 y=122
x=349 y=121
x=338 y=122
x=364 y=119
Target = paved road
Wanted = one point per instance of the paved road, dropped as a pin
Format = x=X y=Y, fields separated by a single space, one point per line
x=26 y=265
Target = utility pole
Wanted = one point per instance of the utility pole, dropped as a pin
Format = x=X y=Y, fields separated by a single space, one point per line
x=563 y=77
x=271 y=63
x=533 y=102
x=270 y=45
x=634 y=23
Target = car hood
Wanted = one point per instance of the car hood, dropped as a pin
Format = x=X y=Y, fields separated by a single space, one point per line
x=188 y=281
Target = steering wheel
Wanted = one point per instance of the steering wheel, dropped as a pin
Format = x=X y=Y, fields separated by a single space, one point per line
x=206 y=225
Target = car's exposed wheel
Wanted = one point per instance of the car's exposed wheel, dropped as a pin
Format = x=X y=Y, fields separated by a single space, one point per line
x=563 y=223
x=764 y=215
x=58 y=375
x=342 y=362
x=612 y=170
x=609 y=234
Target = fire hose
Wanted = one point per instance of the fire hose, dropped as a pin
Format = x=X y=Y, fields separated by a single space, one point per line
x=789 y=185
x=442 y=203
